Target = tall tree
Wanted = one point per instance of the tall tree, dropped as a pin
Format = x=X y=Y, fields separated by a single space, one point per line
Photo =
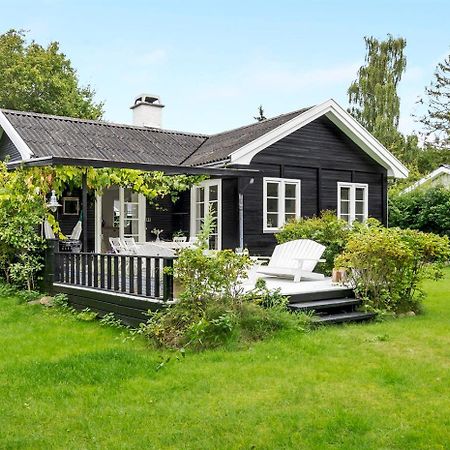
x=260 y=117
x=42 y=79
x=437 y=118
x=373 y=96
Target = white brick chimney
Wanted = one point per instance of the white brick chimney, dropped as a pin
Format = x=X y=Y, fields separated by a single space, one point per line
x=147 y=111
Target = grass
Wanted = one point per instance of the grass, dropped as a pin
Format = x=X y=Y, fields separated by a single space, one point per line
x=74 y=385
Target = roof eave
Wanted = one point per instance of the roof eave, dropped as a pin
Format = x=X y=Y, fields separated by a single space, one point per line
x=166 y=168
x=340 y=118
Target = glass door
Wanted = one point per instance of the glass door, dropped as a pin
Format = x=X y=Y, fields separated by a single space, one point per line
x=205 y=197
x=120 y=212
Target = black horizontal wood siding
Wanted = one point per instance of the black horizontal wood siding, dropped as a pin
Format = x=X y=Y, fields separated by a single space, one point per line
x=320 y=155
x=130 y=310
x=8 y=149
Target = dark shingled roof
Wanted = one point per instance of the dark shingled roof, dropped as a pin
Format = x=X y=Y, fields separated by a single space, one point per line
x=57 y=136
x=219 y=146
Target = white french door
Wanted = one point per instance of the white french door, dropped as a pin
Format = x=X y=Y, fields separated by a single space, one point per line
x=119 y=212
x=207 y=195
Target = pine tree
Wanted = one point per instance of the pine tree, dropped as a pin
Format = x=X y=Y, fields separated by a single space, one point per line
x=373 y=97
x=437 y=118
x=260 y=117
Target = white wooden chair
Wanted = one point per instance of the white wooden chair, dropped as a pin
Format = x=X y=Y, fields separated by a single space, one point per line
x=117 y=245
x=295 y=259
x=130 y=245
x=76 y=232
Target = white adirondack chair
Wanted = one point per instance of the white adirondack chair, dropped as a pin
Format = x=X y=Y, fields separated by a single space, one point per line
x=130 y=245
x=295 y=259
x=76 y=232
x=117 y=245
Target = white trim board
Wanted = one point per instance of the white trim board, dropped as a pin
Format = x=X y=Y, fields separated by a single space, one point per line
x=193 y=214
x=343 y=120
x=431 y=176
x=22 y=147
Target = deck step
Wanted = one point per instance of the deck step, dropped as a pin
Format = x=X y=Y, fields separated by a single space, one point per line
x=318 y=305
x=331 y=294
x=344 y=317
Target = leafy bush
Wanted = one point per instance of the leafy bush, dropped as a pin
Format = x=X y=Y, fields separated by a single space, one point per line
x=426 y=210
x=327 y=229
x=22 y=210
x=213 y=308
x=386 y=265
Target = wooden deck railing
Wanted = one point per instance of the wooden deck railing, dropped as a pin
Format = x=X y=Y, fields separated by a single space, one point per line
x=146 y=276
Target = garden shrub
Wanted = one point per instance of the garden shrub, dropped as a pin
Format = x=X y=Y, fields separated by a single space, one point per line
x=327 y=229
x=426 y=210
x=213 y=308
x=22 y=210
x=386 y=265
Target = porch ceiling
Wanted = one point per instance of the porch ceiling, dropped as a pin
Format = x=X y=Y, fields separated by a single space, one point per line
x=166 y=168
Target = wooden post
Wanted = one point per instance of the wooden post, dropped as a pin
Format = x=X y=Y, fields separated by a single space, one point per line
x=84 y=192
x=168 y=280
x=48 y=275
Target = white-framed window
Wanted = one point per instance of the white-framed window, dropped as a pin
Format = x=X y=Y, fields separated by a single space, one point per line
x=352 y=202
x=281 y=197
x=207 y=194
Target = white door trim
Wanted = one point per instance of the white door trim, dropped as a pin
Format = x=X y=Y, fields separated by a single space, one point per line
x=206 y=184
x=142 y=204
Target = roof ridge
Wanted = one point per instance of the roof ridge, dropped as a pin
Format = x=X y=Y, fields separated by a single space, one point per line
x=101 y=123
x=300 y=111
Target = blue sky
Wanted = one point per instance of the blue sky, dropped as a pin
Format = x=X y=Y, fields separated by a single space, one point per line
x=214 y=62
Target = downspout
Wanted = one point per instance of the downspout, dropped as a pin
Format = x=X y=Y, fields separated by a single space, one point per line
x=241 y=212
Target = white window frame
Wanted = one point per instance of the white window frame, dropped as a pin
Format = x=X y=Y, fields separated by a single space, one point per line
x=352 y=203
x=206 y=184
x=281 y=201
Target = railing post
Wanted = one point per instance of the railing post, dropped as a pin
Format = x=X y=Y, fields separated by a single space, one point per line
x=167 y=279
x=48 y=274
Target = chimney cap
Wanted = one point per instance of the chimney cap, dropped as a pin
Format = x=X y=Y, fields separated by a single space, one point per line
x=147 y=99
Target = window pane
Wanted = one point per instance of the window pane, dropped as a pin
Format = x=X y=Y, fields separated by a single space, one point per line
x=359 y=217
x=199 y=210
x=288 y=217
x=272 y=220
x=289 y=206
x=130 y=196
x=359 y=208
x=131 y=210
x=359 y=193
x=345 y=217
x=290 y=190
x=272 y=205
x=200 y=194
x=213 y=242
x=213 y=191
x=213 y=208
x=345 y=207
x=272 y=189
x=345 y=193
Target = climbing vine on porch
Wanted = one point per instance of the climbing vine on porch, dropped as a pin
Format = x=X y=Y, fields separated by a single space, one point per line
x=24 y=194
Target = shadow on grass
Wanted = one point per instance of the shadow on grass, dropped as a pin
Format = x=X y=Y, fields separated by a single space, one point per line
x=94 y=368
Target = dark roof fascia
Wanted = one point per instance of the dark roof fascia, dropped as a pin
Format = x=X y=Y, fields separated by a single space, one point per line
x=167 y=169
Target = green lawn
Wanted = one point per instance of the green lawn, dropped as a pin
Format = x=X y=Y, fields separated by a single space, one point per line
x=70 y=384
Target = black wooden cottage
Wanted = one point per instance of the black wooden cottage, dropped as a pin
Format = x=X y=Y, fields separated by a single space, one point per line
x=260 y=175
